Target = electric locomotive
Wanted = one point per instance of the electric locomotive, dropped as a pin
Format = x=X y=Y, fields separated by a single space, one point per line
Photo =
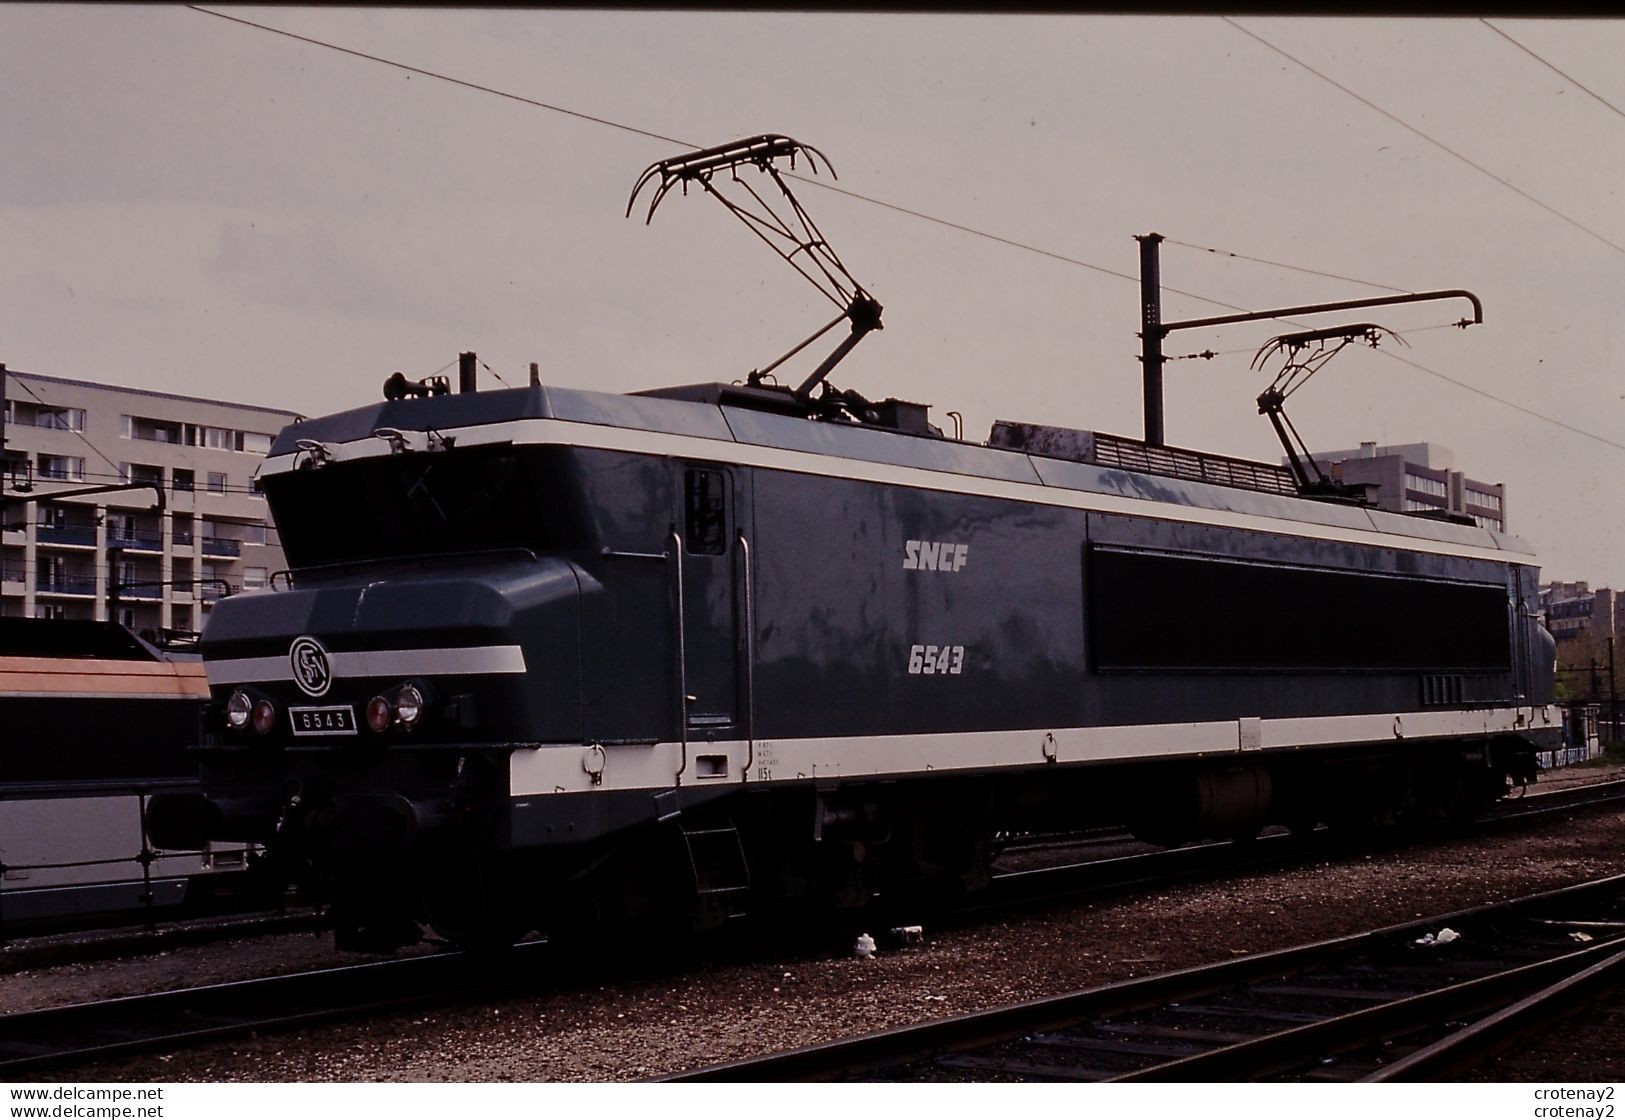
x=547 y=658
x=546 y=650
x=96 y=719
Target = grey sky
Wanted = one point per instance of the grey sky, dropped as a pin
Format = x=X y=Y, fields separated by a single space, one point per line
x=196 y=206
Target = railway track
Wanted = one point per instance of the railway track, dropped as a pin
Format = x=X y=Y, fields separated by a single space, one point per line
x=83 y=946
x=1402 y=1002
x=33 y=1040
x=81 y=1033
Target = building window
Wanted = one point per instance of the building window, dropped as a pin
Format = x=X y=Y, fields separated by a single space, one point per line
x=177 y=432
x=50 y=571
x=60 y=419
x=217 y=482
x=254 y=578
x=154 y=431
x=184 y=478
x=53 y=611
x=254 y=533
x=1424 y=485
x=29 y=415
x=145 y=472
x=61 y=468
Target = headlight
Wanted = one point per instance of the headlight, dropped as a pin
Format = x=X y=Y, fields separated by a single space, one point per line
x=238 y=709
x=409 y=704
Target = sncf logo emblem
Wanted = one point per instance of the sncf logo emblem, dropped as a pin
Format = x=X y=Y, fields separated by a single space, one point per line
x=934 y=556
x=311 y=671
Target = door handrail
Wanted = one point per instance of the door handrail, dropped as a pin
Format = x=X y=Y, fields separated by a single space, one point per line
x=750 y=658
x=682 y=654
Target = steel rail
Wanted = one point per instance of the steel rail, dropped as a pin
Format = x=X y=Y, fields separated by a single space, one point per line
x=77 y=1033
x=898 y=1047
x=91 y=1031
x=1273 y=1053
x=85 y=944
x=1458 y=1051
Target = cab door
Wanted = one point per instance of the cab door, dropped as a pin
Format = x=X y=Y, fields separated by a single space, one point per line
x=708 y=585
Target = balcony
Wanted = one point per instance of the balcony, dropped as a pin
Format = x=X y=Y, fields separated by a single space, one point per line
x=66 y=585
x=77 y=535
x=221 y=546
x=137 y=542
x=140 y=591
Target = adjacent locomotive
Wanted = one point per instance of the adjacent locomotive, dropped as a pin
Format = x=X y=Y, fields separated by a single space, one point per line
x=95 y=720
x=549 y=657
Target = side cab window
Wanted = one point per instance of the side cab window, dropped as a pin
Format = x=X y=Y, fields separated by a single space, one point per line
x=705 y=512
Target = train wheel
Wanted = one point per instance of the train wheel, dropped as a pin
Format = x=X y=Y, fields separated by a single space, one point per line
x=468 y=900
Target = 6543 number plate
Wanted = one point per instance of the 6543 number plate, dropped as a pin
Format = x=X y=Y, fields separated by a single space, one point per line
x=335 y=719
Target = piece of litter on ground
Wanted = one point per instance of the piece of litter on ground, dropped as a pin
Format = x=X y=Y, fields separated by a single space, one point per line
x=864 y=947
x=1444 y=937
x=1578 y=936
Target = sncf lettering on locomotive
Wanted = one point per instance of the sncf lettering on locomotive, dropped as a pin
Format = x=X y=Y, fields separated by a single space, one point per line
x=934 y=556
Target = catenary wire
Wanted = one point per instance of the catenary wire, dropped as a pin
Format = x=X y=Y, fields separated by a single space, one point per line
x=442 y=77
x=27 y=388
x=690 y=144
x=969 y=229
x=1576 y=83
x=1502 y=400
x=1205 y=354
x=1282 y=264
x=1441 y=145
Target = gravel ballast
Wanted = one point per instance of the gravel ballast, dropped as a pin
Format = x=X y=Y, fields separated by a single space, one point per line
x=644 y=1026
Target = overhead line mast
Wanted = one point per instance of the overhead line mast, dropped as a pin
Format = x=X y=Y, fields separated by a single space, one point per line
x=1153 y=330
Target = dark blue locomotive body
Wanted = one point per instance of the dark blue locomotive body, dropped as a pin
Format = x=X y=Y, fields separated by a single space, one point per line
x=548 y=653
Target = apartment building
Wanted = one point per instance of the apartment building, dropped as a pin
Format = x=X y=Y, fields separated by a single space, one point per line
x=1573 y=608
x=1417 y=478
x=117 y=555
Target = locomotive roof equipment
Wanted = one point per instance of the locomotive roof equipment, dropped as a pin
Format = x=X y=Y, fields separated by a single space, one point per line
x=811 y=256
x=1297 y=368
